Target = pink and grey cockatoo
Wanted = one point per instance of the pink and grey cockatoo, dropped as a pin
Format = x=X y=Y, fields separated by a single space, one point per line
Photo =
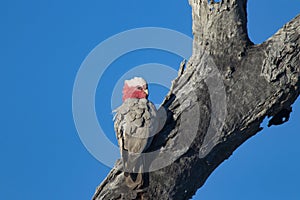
x=135 y=125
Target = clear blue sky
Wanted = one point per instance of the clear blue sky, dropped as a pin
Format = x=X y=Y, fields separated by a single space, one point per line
x=43 y=44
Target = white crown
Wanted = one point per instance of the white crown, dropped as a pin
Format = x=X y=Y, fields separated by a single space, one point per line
x=136 y=81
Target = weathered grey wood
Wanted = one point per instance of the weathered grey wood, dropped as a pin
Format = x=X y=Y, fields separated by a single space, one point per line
x=259 y=81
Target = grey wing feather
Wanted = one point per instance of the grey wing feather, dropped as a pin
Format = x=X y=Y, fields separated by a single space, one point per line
x=135 y=124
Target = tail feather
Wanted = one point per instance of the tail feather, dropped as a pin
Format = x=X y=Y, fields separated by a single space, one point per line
x=133 y=171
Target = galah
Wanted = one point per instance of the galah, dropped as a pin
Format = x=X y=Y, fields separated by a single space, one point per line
x=135 y=125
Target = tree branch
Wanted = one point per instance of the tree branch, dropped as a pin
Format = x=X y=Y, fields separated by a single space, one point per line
x=258 y=81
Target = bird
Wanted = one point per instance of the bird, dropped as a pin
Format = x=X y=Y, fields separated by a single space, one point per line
x=135 y=124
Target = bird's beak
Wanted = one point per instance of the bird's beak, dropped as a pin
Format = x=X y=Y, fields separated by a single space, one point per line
x=146 y=92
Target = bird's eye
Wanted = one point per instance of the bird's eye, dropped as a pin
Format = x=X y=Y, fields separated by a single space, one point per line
x=139 y=88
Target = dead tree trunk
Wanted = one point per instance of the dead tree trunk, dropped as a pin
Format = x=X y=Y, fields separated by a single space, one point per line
x=257 y=81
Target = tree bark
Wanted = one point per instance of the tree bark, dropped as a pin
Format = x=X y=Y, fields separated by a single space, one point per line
x=255 y=81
